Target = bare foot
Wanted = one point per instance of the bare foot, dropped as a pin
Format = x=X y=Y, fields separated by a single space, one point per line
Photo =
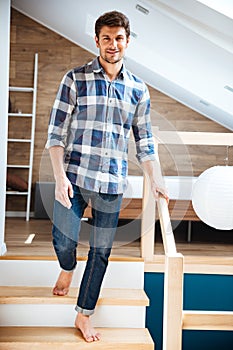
x=83 y=323
x=63 y=283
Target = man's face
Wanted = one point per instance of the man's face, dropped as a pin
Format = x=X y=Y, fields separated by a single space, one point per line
x=112 y=43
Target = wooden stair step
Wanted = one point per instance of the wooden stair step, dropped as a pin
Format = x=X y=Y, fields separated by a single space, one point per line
x=61 y=338
x=43 y=295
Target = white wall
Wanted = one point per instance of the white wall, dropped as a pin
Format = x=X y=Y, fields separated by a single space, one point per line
x=4 y=81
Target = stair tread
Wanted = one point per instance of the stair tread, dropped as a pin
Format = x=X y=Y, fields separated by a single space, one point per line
x=54 y=337
x=35 y=295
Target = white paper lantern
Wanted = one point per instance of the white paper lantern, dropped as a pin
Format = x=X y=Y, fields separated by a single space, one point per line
x=212 y=197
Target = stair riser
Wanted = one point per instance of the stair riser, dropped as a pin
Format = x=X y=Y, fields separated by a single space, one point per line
x=44 y=273
x=64 y=315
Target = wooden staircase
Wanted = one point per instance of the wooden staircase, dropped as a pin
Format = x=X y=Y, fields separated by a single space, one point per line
x=31 y=317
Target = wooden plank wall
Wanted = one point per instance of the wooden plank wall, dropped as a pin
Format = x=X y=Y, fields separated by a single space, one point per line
x=56 y=56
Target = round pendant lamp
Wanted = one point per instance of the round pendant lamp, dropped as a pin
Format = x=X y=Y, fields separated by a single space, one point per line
x=212 y=197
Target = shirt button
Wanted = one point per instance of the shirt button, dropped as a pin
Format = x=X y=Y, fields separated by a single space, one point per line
x=106 y=153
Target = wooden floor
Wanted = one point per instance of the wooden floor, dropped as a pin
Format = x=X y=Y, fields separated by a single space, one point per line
x=18 y=230
x=126 y=245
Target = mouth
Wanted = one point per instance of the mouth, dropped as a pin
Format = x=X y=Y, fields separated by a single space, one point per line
x=110 y=52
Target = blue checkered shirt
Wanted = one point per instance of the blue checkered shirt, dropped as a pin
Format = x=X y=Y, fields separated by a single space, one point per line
x=92 y=118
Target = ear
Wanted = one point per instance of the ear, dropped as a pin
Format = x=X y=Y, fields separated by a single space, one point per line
x=127 y=41
x=97 y=42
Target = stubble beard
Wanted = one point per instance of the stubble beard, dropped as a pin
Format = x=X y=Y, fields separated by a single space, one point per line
x=111 y=62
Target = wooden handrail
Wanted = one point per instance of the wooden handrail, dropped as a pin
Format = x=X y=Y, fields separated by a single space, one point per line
x=166 y=227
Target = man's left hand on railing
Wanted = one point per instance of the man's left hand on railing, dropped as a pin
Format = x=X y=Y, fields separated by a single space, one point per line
x=160 y=191
x=153 y=170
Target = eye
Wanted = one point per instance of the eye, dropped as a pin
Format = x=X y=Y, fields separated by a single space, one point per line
x=120 y=38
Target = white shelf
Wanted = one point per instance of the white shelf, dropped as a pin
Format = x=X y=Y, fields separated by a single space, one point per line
x=21 y=89
x=32 y=115
x=19 y=114
x=17 y=193
x=18 y=166
x=19 y=140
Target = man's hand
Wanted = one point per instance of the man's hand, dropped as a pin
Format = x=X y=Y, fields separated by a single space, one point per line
x=153 y=170
x=64 y=191
x=159 y=191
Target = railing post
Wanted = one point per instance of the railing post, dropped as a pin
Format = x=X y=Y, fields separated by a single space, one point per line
x=173 y=283
x=173 y=302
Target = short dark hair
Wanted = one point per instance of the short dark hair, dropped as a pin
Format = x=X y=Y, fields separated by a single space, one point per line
x=112 y=19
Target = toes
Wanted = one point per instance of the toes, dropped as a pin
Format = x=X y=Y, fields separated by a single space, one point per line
x=60 y=292
x=97 y=336
x=55 y=291
x=91 y=338
x=88 y=337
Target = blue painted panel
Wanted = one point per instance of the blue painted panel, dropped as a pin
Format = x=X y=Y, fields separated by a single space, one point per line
x=207 y=340
x=208 y=292
x=154 y=315
x=201 y=292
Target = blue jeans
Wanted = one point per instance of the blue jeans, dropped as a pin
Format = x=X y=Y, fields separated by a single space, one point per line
x=66 y=228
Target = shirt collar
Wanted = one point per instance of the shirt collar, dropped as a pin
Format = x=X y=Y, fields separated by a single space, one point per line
x=97 y=68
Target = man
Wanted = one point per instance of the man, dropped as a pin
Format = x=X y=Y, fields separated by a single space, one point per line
x=96 y=106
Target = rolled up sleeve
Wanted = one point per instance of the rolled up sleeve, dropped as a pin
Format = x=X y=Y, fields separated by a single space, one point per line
x=61 y=112
x=145 y=149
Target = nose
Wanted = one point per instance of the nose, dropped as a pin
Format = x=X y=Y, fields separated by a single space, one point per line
x=113 y=43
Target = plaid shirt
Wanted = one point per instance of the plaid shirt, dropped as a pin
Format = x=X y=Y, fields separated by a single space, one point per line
x=92 y=117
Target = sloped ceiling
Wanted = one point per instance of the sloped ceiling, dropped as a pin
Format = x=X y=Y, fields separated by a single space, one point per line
x=182 y=48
